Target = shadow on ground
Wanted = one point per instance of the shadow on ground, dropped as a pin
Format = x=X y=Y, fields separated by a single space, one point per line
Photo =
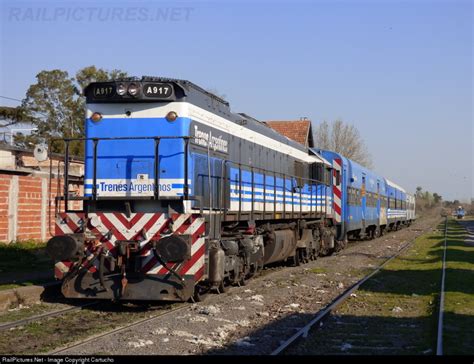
x=373 y=331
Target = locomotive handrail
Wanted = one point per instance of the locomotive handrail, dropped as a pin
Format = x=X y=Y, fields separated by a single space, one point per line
x=313 y=183
x=95 y=141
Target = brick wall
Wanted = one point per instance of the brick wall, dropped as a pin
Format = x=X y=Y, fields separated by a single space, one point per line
x=27 y=203
x=30 y=193
x=26 y=212
x=4 y=206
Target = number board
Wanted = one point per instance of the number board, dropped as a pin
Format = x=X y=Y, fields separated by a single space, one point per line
x=158 y=90
x=102 y=91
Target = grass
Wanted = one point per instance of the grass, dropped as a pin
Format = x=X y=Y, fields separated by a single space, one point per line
x=26 y=283
x=24 y=256
x=318 y=270
x=397 y=309
x=404 y=294
x=25 y=312
x=24 y=263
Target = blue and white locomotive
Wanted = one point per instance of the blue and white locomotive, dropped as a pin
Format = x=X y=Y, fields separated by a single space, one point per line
x=182 y=195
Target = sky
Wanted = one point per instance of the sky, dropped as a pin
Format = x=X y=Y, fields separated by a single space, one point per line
x=400 y=71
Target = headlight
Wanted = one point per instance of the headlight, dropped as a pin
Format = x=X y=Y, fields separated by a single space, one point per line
x=97 y=116
x=121 y=89
x=171 y=116
x=133 y=89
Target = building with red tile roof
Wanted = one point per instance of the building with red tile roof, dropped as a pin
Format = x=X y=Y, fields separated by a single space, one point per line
x=298 y=130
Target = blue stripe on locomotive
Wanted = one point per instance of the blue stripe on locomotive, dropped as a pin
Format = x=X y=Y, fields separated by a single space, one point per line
x=308 y=198
x=119 y=159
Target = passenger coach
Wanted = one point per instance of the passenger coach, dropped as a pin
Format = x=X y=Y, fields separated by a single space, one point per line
x=366 y=204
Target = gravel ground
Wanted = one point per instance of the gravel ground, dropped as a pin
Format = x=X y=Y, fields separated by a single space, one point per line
x=254 y=319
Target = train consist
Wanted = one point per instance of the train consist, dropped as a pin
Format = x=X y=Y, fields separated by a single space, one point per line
x=182 y=196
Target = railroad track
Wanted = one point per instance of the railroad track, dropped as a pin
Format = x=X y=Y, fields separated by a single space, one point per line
x=439 y=341
x=28 y=320
x=180 y=306
x=331 y=307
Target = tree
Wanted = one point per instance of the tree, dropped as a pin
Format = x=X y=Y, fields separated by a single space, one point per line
x=426 y=200
x=344 y=139
x=12 y=115
x=90 y=74
x=437 y=198
x=419 y=191
x=55 y=104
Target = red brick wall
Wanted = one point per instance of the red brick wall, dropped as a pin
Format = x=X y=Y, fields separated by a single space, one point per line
x=29 y=208
x=4 y=197
x=27 y=202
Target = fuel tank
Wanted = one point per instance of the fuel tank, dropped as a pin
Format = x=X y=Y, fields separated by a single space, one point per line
x=279 y=245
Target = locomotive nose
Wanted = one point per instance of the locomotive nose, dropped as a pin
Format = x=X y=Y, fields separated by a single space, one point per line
x=64 y=247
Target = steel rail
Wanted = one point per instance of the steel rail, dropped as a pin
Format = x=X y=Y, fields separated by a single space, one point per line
x=116 y=330
x=56 y=313
x=304 y=331
x=439 y=341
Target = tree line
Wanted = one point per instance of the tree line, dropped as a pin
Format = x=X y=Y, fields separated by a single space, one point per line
x=426 y=200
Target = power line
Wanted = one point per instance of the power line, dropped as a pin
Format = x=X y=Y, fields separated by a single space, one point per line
x=13 y=99
x=10 y=98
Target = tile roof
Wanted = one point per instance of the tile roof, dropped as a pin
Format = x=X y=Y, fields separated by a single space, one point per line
x=297 y=130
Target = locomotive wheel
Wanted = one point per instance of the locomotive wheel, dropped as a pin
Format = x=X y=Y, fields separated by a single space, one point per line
x=199 y=295
x=296 y=259
x=222 y=288
x=343 y=243
x=339 y=245
x=305 y=255
x=316 y=251
x=324 y=252
x=377 y=232
x=243 y=277
x=372 y=234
